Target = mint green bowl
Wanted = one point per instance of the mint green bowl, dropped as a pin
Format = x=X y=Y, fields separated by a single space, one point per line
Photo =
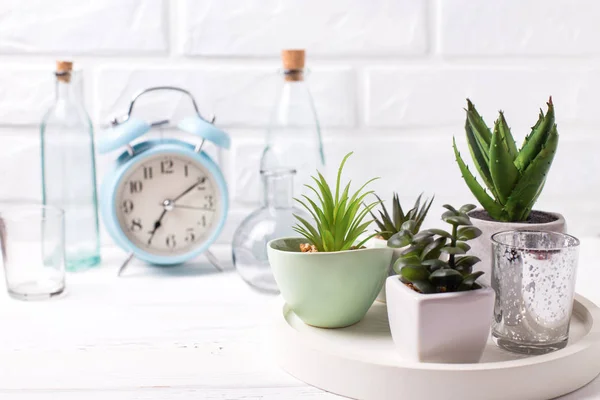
x=328 y=290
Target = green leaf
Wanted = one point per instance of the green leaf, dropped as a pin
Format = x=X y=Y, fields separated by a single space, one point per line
x=463 y=246
x=529 y=187
x=469 y=280
x=493 y=208
x=424 y=287
x=435 y=264
x=479 y=138
x=386 y=220
x=365 y=240
x=408 y=226
x=468 y=232
x=450 y=208
x=400 y=239
x=411 y=250
x=458 y=220
x=446 y=277
x=307 y=225
x=339 y=177
x=422 y=235
x=440 y=232
x=467 y=208
x=503 y=170
x=466 y=260
x=507 y=137
x=453 y=250
x=397 y=212
x=414 y=273
x=423 y=213
x=408 y=261
x=464 y=269
x=432 y=250
x=537 y=138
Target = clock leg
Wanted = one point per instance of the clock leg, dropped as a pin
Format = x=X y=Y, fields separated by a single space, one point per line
x=125 y=263
x=213 y=260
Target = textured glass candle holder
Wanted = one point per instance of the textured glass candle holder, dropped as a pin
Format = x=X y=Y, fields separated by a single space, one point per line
x=533 y=275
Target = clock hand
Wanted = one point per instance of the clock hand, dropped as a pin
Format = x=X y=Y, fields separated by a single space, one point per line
x=192 y=208
x=157 y=224
x=186 y=191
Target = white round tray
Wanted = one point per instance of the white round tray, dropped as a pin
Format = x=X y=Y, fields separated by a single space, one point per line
x=361 y=362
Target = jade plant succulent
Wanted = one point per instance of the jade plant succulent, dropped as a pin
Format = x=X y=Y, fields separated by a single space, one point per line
x=398 y=221
x=339 y=217
x=514 y=177
x=435 y=260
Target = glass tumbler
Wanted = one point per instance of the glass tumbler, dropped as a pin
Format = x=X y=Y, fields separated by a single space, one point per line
x=533 y=275
x=33 y=255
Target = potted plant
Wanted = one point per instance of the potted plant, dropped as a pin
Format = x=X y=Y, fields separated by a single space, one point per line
x=437 y=310
x=514 y=178
x=327 y=277
x=388 y=226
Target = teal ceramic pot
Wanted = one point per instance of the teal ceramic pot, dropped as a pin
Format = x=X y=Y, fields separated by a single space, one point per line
x=328 y=290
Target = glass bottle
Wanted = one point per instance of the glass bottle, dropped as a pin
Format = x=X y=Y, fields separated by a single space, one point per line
x=294 y=136
x=274 y=219
x=69 y=170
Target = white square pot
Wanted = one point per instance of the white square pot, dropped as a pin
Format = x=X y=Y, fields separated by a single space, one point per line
x=441 y=328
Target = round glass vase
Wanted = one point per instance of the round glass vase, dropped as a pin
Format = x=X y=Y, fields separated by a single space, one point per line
x=273 y=220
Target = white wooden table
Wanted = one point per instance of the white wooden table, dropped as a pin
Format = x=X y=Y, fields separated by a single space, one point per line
x=184 y=332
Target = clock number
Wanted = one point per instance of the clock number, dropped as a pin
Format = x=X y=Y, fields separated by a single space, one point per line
x=147 y=172
x=136 y=225
x=170 y=241
x=135 y=186
x=209 y=200
x=127 y=206
x=185 y=170
x=166 y=166
x=201 y=182
x=190 y=236
x=202 y=222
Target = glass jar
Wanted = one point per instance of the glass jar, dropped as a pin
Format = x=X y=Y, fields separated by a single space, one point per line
x=274 y=219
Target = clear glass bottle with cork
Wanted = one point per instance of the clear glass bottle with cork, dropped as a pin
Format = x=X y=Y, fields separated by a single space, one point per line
x=69 y=168
x=294 y=136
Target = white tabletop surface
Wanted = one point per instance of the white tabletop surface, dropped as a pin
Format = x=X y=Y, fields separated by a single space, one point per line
x=164 y=333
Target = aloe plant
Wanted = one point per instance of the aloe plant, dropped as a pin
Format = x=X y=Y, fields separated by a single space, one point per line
x=339 y=218
x=514 y=178
x=435 y=260
x=412 y=220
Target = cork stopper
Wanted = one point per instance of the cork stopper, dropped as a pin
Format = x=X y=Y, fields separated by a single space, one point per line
x=63 y=71
x=293 y=64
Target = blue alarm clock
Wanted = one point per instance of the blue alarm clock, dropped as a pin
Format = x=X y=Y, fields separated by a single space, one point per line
x=164 y=200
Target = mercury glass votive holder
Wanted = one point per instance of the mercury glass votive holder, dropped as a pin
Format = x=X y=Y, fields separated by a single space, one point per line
x=533 y=275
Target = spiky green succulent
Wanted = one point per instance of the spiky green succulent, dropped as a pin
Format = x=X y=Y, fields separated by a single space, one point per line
x=339 y=219
x=514 y=178
x=436 y=261
x=412 y=220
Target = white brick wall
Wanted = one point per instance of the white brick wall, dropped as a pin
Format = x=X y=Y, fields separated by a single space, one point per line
x=389 y=78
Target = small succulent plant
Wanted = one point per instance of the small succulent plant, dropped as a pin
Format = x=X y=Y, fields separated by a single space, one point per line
x=339 y=217
x=515 y=178
x=412 y=220
x=436 y=261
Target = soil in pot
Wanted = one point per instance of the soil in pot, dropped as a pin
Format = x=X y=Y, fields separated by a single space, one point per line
x=535 y=217
x=311 y=248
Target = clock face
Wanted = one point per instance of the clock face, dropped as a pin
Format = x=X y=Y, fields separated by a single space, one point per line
x=167 y=204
